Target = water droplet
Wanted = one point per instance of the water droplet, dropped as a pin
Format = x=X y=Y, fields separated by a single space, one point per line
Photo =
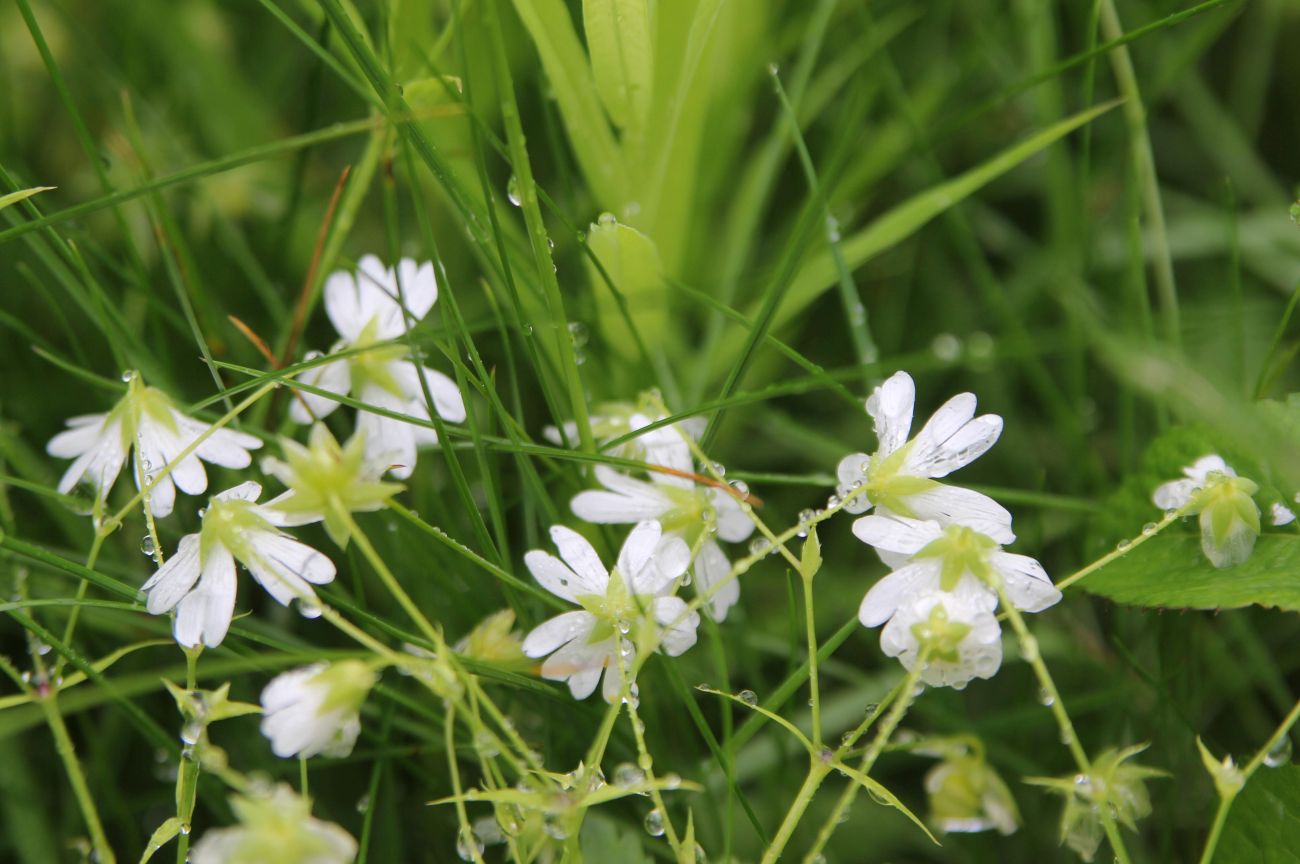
x=819 y=858
x=741 y=487
x=719 y=469
x=833 y=502
x=41 y=648
x=672 y=781
x=185 y=829
x=26 y=677
x=1045 y=697
x=553 y=828
x=759 y=546
x=147 y=545
x=1149 y=528
x=578 y=333
x=512 y=191
x=700 y=857
x=309 y=607
x=654 y=823
x=606 y=220
x=773 y=69
x=1280 y=754
x=486 y=743
x=847 y=738
x=832 y=229
x=146 y=464
x=749 y=697
x=128 y=374
x=946 y=347
x=627 y=774
x=191 y=731
x=1123 y=544
x=203 y=511
x=1029 y=649
x=363 y=803
x=469 y=845
x=528 y=329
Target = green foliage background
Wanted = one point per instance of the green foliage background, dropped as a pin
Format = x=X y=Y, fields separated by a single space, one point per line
x=964 y=200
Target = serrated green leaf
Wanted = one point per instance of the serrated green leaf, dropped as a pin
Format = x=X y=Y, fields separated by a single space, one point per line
x=618 y=40
x=22 y=195
x=631 y=261
x=1170 y=571
x=1263 y=825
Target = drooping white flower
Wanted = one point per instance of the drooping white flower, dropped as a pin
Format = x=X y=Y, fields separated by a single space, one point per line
x=900 y=477
x=199 y=580
x=367 y=311
x=275 y=826
x=954 y=559
x=316 y=709
x=684 y=509
x=1229 y=516
x=145 y=421
x=619 y=610
x=966 y=796
x=960 y=638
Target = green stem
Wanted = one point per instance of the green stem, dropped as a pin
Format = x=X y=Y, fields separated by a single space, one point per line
x=1052 y=698
x=1121 y=550
x=68 y=755
x=187 y=770
x=386 y=576
x=813 y=684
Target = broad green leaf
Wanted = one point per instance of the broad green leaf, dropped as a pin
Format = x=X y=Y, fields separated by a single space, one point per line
x=565 y=64
x=1170 y=571
x=622 y=60
x=820 y=273
x=1263 y=825
x=631 y=261
x=22 y=195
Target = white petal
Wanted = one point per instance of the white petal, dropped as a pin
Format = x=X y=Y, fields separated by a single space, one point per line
x=342 y=305
x=284 y=566
x=954 y=505
x=961 y=448
x=419 y=287
x=377 y=293
x=1236 y=547
x=580 y=663
x=1281 y=515
x=1027 y=584
x=1174 y=494
x=734 y=525
x=205 y=612
x=612 y=685
x=552 y=575
x=1201 y=468
x=898 y=534
x=225 y=447
x=712 y=568
x=289 y=687
x=80 y=437
x=638 y=549
x=389 y=442
x=852 y=468
x=609 y=508
x=447 y=398
x=560 y=630
x=679 y=635
x=890 y=406
x=249 y=490
x=175 y=578
x=336 y=377
x=883 y=600
x=99 y=465
x=593 y=578
x=669 y=560
x=162 y=497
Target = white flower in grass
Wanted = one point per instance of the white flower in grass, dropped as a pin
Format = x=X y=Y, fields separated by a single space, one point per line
x=146 y=421
x=613 y=420
x=316 y=709
x=900 y=477
x=684 y=509
x=955 y=559
x=960 y=638
x=366 y=310
x=276 y=826
x=199 y=580
x=1229 y=516
x=621 y=610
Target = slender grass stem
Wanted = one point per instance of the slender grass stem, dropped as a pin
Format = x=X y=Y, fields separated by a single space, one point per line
x=68 y=756
x=386 y=576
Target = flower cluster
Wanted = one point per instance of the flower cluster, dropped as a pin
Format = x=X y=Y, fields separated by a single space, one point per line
x=944 y=543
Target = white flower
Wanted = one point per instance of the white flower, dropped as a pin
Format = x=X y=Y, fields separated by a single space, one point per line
x=145 y=420
x=955 y=559
x=1279 y=514
x=276 y=826
x=316 y=709
x=235 y=528
x=900 y=476
x=961 y=638
x=613 y=420
x=684 y=509
x=1229 y=516
x=366 y=310
x=620 y=609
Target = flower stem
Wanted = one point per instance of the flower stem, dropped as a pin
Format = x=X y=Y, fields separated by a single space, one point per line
x=386 y=576
x=1225 y=801
x=1052 y=698
x=1122 y=550
x=68 y=755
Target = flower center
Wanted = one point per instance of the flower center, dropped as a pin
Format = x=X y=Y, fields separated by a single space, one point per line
x=961 y=550
x=616 y=610
x=888 y=486
x=940 y=635
x=373 y=362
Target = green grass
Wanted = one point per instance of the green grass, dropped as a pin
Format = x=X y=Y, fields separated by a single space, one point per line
x=1077 y=211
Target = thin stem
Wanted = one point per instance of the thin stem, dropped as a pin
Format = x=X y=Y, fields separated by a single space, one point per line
x=1120 y=551
x=817 y=772
x=644 y=759
x=1052 y=698
x=68 y=755
x=466 y=842
x=813 y=684
x=386 y=576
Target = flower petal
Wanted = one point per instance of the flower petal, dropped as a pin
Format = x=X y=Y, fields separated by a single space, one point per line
x=890 y=406
x=335 y=376
x=954 y=505
x=638 y=549
x=884 y=598
x=447 y=398
x=81 y=436
x=734 y=524
x=593 y=578
x=679 y=633
x=898 y=534
x=249 y=490
x=560 y=630
x=284 y=566
x=712 y=568
x=628 y=500
x=205 y=612
x=343 y=306
x=419 y=286
x=1027 y=584
x=1174 y=494
x=175 y=578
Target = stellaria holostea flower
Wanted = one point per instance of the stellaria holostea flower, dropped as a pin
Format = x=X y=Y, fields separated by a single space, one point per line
x=900 y=477
x=316 y=709
x=366 y=309
x=620 y=609
x=959 y=638
x=684 y=509
x=328 y=482
x=199 y=581
x=146 y=421
x=613 y=420
x=275 y=825
x=1229 y=516
x=967 y=795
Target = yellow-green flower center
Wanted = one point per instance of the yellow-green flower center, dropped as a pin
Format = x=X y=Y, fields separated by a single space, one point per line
x=940 y=635
x=372 y=362
x=961 y=550
x=887 y=486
